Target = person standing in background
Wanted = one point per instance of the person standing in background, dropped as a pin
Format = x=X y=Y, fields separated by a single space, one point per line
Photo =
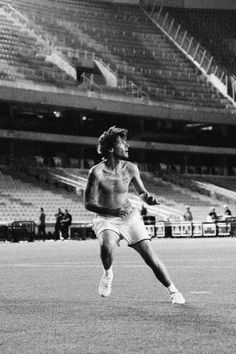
x=57 y=231
x=212 y=216
x=227 y=212
x=188 y=214
x=66 y=221
x=42 y=225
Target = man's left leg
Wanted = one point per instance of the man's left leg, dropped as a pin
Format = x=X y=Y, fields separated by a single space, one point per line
x=145 y=249
x=108 y=241
x=66 y=232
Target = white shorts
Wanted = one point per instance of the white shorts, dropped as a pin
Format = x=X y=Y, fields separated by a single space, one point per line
x=131 y=228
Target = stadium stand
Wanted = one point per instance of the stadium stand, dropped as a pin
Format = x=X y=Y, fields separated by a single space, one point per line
x=143 y=56
x=213 y=190
x=172 y=196
x=144 y=63
x=215 y=29
x=77 y=178
x=19 y=55
x=22 y=201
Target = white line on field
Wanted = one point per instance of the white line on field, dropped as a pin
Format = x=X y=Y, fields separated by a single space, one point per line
x=199 y=292
x=95 y=265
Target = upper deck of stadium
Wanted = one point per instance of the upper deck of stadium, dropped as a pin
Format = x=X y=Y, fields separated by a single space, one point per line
x=47 y=43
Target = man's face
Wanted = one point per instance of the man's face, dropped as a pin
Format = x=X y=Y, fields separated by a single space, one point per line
x=121 y=149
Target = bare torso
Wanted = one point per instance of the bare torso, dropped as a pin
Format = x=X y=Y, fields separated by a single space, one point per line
x=113 y=185
x=108 y=186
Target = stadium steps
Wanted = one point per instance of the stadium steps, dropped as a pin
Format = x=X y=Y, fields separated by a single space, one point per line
x=181 y=196
x=111 y=31
x=19 y=49
x=23 y=200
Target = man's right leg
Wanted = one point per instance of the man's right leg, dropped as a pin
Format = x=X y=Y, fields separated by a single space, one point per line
x=108 y=240
x=145 y=249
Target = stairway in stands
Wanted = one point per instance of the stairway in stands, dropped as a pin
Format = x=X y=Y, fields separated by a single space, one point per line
x=124 y=38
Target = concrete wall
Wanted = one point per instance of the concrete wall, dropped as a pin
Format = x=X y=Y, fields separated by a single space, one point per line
x=208 y=4
x=121 y=1
x=211 y=4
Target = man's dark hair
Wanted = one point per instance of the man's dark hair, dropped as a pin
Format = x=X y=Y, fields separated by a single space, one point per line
x=107 y=140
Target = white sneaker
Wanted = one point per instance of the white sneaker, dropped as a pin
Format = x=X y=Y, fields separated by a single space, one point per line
x=177 y=298
x=104 y=288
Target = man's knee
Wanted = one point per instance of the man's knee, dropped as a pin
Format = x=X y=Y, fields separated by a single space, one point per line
x=146 y=251
x=143 y=247
x=108 y=239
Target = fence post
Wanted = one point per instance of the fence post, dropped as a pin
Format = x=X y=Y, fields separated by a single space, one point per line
x=171 y=25
x=203 y=57
x=190 y=43
x=209 y=65
x=183 y=39
x=216 y=68
x=222 y=76
x=165 y=19
x=159 y=14
x=234 y=90
x=153 y=7
x=177 y=32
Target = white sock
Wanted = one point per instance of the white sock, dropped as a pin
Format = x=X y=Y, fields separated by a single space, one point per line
x=109 y=272
x=171 y=288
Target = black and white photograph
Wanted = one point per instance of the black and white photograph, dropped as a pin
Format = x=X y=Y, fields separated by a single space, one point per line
x=118 y=176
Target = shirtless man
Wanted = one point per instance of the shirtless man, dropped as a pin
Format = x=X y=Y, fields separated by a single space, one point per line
x=106 y=195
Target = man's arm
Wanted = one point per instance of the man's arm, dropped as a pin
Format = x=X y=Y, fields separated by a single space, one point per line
x=91 y=203
x=140 y=189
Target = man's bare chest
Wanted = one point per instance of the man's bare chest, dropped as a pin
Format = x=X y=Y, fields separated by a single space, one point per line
x=117 y=183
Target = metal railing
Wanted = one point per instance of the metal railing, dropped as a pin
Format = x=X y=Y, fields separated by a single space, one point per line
x=189 y=45
x=49 y=46
x=137 y=91
x=89 y=84
x=73 y=52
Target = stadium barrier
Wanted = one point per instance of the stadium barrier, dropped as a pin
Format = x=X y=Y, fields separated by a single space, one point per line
x=224 y=229
x=82 y=232
x=22 y=231
x=209 y=229
x=160 y=229
x=197 y=229
x=232 y=221
x=182 y=229
x=4 y=233
x=151 y=229
x=28 y=230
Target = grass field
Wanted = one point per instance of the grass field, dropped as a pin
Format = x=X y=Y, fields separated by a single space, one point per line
x=49 y=301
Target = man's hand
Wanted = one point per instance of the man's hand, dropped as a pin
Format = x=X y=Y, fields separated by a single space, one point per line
x=152 y=201
x=125 y=211
x=149 y=199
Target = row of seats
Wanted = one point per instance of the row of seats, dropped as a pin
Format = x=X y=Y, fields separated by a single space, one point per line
x=21 y=200
x=212 y=28
x=19 y=48
x=174 y=192
x=173 y=199
x=73 y=28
